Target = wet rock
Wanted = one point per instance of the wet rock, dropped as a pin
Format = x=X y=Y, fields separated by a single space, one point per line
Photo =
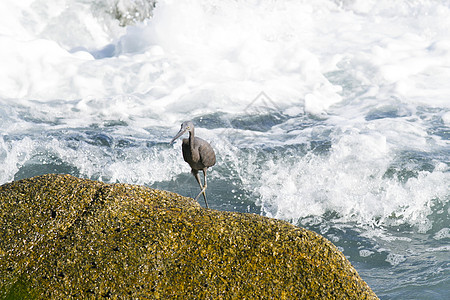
x=68 y=238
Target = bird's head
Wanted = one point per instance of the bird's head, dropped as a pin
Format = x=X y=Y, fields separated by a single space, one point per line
x=186 y=126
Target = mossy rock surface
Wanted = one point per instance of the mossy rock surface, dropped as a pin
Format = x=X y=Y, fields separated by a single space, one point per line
x=62 y=237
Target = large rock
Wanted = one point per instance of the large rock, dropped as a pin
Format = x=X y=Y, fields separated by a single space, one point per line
x=63 y=237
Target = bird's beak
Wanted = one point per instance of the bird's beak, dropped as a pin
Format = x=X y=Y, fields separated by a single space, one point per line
x=180 y=133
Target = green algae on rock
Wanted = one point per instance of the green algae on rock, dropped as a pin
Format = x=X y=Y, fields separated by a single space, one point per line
x=62 y=237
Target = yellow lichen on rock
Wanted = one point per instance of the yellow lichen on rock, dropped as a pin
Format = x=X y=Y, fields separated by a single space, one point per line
x=63 y=237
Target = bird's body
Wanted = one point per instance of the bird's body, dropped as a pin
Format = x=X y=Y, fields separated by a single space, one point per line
x=200 y=156
x=198 y=153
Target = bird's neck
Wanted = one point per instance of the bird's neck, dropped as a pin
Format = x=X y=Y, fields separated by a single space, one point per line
x=191 y=139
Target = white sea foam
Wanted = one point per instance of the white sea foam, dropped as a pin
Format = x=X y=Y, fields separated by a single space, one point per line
x=444 y=233
x=352 y=181
x=362 y=70
x=13 y=155
x=395 y=259
x=365 y=253
x=284 y=48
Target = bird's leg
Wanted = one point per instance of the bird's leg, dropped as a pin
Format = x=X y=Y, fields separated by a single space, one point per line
x=197 y=177
x=203 y=188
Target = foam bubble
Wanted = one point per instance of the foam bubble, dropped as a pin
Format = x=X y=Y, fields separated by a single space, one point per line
x=444 y=233
x=446 y=118
x=395 y=259
x=365 y=253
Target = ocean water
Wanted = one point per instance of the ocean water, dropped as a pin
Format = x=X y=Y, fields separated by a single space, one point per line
x=332 y=115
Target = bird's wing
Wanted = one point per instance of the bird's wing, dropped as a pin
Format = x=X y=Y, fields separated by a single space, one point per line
x=207 y=155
